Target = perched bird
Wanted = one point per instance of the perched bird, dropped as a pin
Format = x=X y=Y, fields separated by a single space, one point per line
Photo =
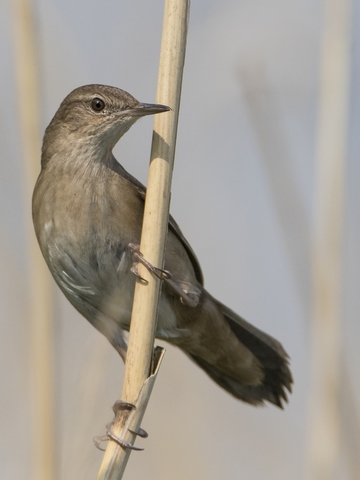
x=87 y=211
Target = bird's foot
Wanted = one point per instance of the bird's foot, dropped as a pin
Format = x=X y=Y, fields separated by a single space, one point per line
x=140 y=433
x=118 y=406
x=121 y=442
x=189 y=295
x=158 y=272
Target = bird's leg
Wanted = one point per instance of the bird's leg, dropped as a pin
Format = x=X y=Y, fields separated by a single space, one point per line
x=189 y=295
x=158 y=272
x=118 y=406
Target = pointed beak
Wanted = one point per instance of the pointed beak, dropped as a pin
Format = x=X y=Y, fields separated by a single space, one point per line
x=147 y=109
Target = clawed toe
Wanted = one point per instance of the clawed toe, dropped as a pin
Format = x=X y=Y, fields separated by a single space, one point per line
x=111 y=436
x=122 y=442
x=189 y=295
x=141 y=433
x=139 y=257
x=119 y=405
x=98 y=440
x=135 y=271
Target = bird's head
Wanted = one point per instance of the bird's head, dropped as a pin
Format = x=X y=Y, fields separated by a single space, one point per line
x=96 y=115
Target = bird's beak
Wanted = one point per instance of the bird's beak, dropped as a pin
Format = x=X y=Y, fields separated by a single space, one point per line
x=146 y=109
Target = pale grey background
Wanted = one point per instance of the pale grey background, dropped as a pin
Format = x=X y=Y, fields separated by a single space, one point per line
x=243 y=195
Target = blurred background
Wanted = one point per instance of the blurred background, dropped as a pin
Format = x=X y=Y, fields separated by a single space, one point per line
x=266 y=190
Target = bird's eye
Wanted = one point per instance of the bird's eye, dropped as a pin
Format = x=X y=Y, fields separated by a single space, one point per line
x=97 y=104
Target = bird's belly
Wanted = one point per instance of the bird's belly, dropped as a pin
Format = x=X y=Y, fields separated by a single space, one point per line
x=94 y=273
x=119 y=306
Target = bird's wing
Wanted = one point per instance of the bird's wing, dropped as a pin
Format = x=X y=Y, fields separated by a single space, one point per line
x=173 y=226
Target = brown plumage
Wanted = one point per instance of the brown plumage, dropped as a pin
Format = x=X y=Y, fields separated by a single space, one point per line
x=87 y=210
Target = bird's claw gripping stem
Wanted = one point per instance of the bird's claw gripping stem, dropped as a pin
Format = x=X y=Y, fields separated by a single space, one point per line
x=119 y=405
x=189 y=300
x=158 y=272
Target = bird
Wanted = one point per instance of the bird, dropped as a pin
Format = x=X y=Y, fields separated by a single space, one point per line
x=87 y=213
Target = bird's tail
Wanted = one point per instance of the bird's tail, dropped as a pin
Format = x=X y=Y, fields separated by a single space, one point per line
x=276 y=377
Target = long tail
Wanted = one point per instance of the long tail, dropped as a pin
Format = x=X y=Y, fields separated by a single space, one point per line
x=270 y=355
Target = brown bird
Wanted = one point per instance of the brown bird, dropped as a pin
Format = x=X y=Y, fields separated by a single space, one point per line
x=87 y=211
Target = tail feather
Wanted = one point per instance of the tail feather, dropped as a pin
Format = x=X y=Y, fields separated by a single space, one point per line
x=255 y=395
x=273 y=358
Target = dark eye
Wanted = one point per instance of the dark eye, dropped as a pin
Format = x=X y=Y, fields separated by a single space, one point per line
x=97 y=104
